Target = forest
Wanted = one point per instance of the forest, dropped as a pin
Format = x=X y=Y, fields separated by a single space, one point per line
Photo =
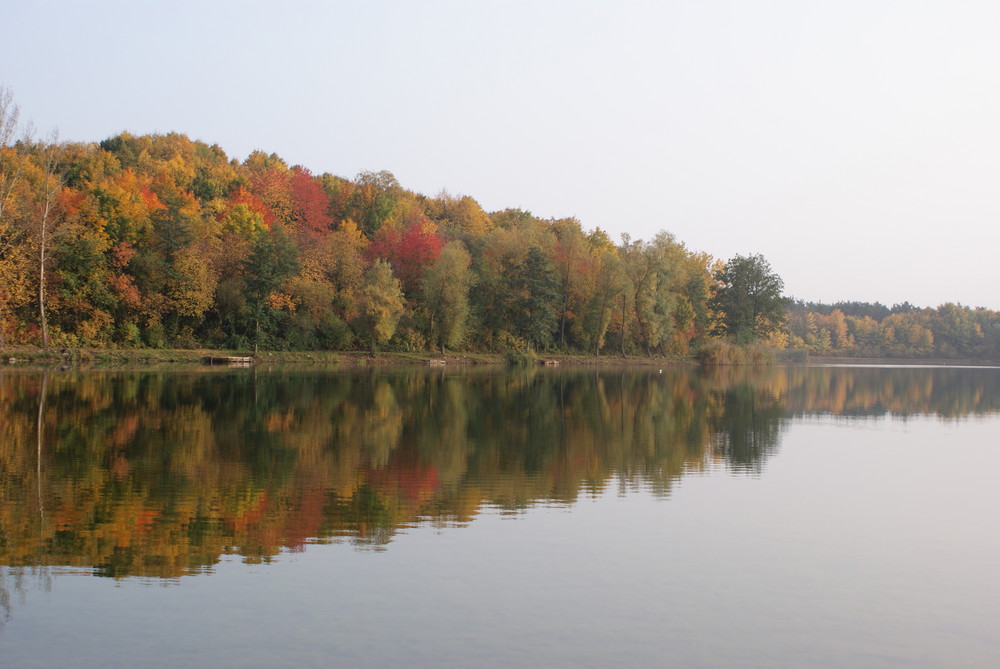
x=160 y=241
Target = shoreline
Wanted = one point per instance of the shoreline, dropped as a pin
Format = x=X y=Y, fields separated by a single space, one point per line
x=901 y=362
x=87 y=358
x=26 y=356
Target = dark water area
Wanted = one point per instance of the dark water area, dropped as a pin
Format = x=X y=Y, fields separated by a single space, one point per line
x=799 y=516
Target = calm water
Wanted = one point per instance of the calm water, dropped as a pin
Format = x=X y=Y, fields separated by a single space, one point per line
x=825 y=517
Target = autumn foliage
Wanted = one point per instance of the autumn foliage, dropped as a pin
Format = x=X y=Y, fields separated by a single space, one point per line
x=161 y=241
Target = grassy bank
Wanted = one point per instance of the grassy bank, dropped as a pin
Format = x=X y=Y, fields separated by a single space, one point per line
x=85 y=357
x=722 y=354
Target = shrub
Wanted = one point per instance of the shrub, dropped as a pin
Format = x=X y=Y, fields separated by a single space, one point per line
x=718 y=352
x=129 y=335
x=522 y=358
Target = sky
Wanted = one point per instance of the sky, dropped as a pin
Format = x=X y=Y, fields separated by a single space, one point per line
x=855 y=144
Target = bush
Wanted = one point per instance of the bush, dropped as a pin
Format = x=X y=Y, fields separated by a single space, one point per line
x=522 y=358
x=156 y=337
x=186 y=338
x=794 y=356
x=407 y=340
x=717 y=352
x=334 y=334
x=129 y=335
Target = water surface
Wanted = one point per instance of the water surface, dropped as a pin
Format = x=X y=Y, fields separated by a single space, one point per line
x=781 y=517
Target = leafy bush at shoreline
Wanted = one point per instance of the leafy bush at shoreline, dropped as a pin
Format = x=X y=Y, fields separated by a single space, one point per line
x=720 y=353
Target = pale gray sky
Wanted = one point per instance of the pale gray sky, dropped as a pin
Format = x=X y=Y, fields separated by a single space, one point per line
x=855 y=143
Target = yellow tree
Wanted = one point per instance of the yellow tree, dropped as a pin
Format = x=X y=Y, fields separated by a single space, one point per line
x=460 y=214
x=608 y=284
x=12 y=272
x=345 y=267
x=571 y=261
x=381 y=305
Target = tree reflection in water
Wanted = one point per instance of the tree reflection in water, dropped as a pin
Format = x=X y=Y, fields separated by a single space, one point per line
x=160 y=474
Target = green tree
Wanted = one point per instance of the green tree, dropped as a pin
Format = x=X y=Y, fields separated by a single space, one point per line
x=381 y=304
x=375 y=200
x=748 y=296
x=273 y=260
x=446 y=295
x=533 y=309
x=955 y=330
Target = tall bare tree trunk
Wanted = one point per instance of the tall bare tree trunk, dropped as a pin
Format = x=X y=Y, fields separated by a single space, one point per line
x=565 y=304
x=624 y=303
x=43 y=244
x=41 y=289
x=53 y=183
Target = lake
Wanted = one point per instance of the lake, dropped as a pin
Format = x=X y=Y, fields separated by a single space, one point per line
x=472 y=517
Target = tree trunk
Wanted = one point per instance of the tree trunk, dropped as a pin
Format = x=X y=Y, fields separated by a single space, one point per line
x=53 y=182
x=41 y=279
x=624 y=303
x=430 y=332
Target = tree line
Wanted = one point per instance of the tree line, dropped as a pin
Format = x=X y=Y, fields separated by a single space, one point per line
x=161 y=241
x=862 y=329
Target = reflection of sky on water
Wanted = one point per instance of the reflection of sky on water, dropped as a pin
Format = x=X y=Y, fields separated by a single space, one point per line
x=859 y=546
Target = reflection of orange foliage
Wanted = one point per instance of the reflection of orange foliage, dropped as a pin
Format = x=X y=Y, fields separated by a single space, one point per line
x=147 y=516
x=125 y=430
x=66 y=516
x=414 y=485
x=405 y=477
x=250 y=515
x=279 y=422
x=119 y=467
x=306 y=519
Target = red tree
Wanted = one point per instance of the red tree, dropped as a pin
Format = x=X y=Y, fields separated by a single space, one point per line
x=410 y=250
x=310 y=204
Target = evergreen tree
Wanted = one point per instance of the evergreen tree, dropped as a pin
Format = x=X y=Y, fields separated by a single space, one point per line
x=533 y=287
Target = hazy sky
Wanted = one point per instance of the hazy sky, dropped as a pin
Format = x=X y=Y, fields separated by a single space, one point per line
x=856 y=144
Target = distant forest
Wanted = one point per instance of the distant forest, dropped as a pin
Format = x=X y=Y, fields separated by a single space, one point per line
x=864 y=329
x=161 y=241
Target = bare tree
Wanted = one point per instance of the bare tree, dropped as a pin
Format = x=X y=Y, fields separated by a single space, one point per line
x=52 y=182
